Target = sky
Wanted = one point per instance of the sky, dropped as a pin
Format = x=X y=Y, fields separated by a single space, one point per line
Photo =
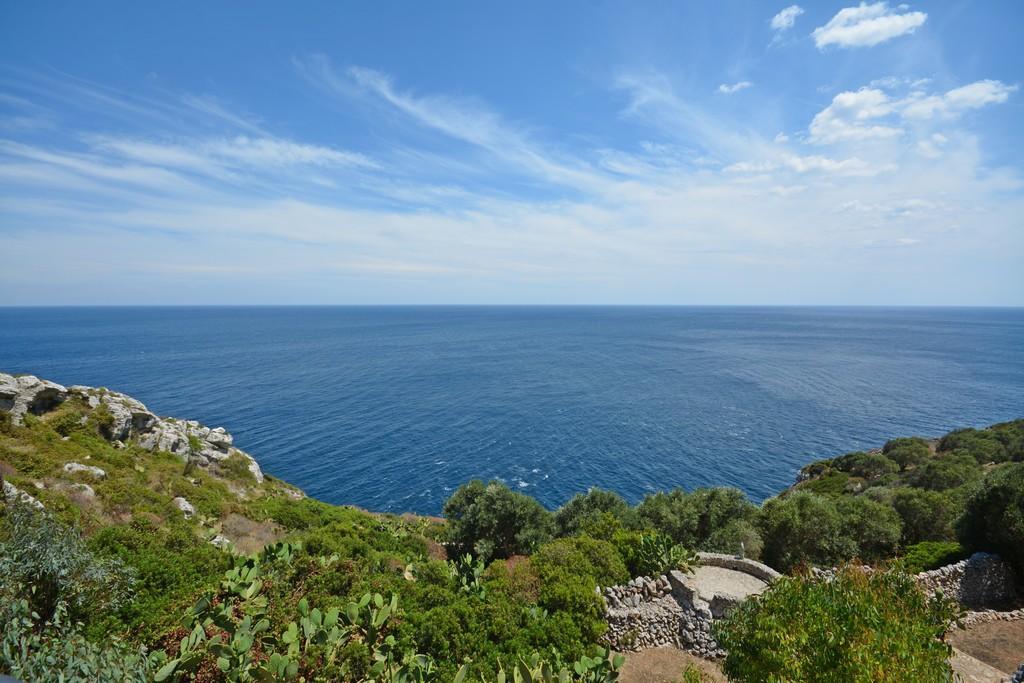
x=577 y=152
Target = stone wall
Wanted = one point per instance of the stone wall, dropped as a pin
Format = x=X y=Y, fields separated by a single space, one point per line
x=670 y=611
x=739 y=564
x=982 y=580
x=646 y=613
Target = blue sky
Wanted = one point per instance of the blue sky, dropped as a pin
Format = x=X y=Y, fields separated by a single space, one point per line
x=530 y=152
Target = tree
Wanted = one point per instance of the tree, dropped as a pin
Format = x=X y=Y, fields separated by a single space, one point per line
x=873 y=529
x=927 y=515
x=590 y=509
x=691 y=519
x=854 y=628
x=906 y=452
x=801 y=528
x=993 y=518
x=983 y=445
x=946 y=471
x=868 y=466
x=493 y=521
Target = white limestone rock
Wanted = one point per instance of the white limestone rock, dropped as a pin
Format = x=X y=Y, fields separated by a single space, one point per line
x=29 y=394
x=220 y=541
x=185 y=507
x=13 y=493
x=91 y=470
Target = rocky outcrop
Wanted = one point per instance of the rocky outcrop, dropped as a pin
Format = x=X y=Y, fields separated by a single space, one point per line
x=28 y=394
x=127 y=419
x=12 y=493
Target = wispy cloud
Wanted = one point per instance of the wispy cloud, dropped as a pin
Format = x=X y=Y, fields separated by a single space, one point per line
x=695 y=190
x=784 y=20
x=729 y=89
x=867 y=25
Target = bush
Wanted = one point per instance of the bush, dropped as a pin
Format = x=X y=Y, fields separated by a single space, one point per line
x=982 y=445
x=492 y=521
x=927 y=515
x=52 y=562
x=946 y=471
x=55 y=650
x=928 y=555
x=873 y=530
x=590 y=510
x=690 y=519
x=657 y=554
x=993 y=518
x=869 y=466
x=738 y=537
x=906 y=452
x=582 y=555
x=803 y=527
x=856 y=628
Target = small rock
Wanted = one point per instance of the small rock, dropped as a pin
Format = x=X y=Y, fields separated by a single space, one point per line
x=221 y=542
x=73 y=467
x=185 y=507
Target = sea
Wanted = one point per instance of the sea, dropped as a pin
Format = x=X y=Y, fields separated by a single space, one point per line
x=392 y=408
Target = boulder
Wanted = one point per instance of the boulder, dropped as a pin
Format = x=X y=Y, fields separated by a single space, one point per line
x=73 y=467
x=29 y=394
x=13 y=493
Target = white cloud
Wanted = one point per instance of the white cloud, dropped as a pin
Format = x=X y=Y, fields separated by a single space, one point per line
x=696 y=193
x=849 y=118
x=867 y=25
x=735 y=87
x=957 y=100
x=870 y=114
x=785 y=19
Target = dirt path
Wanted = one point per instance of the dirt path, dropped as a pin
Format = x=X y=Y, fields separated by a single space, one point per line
x=666 y=665
x=997 y=643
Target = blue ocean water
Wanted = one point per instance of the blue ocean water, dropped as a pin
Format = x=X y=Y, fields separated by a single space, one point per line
x=391 y=408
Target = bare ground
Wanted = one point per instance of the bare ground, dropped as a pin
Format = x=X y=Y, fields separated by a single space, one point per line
x=997 y=643
x=666 y=665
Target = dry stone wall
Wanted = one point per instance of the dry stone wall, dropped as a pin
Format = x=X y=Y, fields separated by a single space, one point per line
x=982 y=580
x=668 y=610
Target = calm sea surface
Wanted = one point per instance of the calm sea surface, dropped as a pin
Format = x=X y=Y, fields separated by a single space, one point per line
x=392 y=408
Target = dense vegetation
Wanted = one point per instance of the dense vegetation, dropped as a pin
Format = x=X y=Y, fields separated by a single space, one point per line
x=855 y=628
x=113 y=577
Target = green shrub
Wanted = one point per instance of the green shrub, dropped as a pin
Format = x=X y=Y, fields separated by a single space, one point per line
x=690 y=519
x=928 y=555
x=873 y=529
x=51 y=560
x=993 y=518
x=856 y=628
x=803 y=527
x=868 y=466
x=657 y=553
x=833 y=483
x=171 y=567
x=738 y=537
x=36 y=651
x=591 y=510
x=906 y=452
x=982 y=445
x=492 y=521
x=582 y=555
x=946 y=471
x=927 y=515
